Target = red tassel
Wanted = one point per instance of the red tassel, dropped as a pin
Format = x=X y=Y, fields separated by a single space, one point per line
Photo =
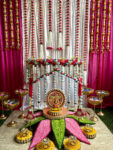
x=30 y=87
x=80 y=87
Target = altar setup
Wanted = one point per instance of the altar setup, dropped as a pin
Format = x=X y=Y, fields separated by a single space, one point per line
x=48 y=44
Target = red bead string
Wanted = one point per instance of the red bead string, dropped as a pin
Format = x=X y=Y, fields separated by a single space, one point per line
x=86 y=35
x=41 y=26
x=50 y=15
x=50 y=36
x=33 y=48
x=68 y=23
x=77 y=29
x=60 y=47
x=26 y=29
x=60 y=16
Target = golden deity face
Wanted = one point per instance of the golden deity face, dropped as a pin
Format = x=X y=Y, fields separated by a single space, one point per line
x=55 y=98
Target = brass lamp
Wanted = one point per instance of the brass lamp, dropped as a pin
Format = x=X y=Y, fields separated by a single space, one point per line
x=101 y=94
x=21 y=93
x=94 y=101
x=11 y=104
x=3 y=96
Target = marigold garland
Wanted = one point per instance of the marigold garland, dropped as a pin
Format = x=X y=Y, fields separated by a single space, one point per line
x=12 y=45
x=97 y=26
x=109 y=25
x=104 y=27
x=92 y=26
x=17 y=24
x=5 y=24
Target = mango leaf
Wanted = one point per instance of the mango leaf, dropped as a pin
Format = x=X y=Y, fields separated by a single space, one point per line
x=82 y=120
x=58 y=128
x=34 y=121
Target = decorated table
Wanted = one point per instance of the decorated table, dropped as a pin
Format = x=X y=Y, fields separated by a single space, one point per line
x=103 y=140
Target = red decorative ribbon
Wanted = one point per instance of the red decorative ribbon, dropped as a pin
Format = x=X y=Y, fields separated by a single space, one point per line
x=77 y=29
x=80 y=87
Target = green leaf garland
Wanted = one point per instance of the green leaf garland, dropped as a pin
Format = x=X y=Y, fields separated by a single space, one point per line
x=82 y=120
x=34 y=121
x=58 y=128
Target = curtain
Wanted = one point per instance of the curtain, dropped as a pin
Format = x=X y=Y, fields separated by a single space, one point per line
x=100 y=75
x=11 y=54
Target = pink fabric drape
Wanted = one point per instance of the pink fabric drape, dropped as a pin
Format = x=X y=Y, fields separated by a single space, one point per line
x=100 y=76
x=11 y=61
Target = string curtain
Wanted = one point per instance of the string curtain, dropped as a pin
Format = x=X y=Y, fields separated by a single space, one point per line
x=56 y=29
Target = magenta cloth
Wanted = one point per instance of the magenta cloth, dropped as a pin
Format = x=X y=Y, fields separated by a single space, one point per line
x=73 y=127
x=11 y=61
x=38 y=114
x=41 y=132
x=100 y=75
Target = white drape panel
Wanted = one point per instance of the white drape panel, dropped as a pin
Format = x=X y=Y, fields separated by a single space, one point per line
x=55 y=53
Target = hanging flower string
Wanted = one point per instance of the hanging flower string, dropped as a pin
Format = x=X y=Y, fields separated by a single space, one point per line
x=6 y=25
x=38 y=84
x=50 y=37
x=26 y=29
x=45 y=83
x=33 y=48
x=60 y=43
x=41 y=29
x=67 y=42
x=104 y=27
x=86 y=35
x=52 y=73
x=97 y=26
x=77 y=29
x=69 y=86
x=92 y=26
x=12 y=45
x=109 y=25
x=62 y=62
x=17 y=24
